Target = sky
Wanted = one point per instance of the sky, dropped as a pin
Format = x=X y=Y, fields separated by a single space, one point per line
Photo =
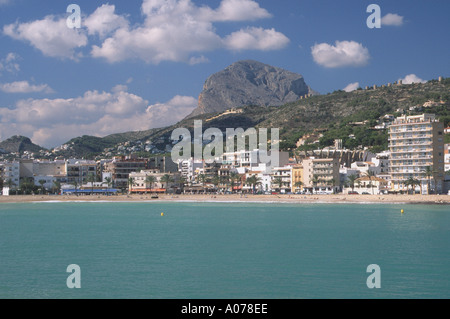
x=123 y=66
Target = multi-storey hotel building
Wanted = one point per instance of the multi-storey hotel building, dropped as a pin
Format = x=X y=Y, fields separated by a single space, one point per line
x=416 y=142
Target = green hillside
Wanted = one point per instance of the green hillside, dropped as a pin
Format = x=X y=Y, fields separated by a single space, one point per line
x=334 y=115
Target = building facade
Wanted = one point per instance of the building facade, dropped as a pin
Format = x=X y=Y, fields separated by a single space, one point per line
x=416 y=145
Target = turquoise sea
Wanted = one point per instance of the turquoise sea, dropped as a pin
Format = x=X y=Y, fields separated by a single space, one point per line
x=223 y=250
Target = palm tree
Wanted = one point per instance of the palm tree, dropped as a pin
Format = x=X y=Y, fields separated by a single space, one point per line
x=27 y=185
x=182 y=181
x=429 y=172
x=278 y=181
x=352 y=178
x=225 y=180
x=9 y=183
x=108 y=181
x=75 y=184
x=215 y=180
x=253 y=181
x=42 y=182
x=234 y=176
x=91 y=179
x=298 y=184
x=412 y=182
x=150 y=179
x=131 y=183
x=166 y=179
x=56 y=186
x=370 y=175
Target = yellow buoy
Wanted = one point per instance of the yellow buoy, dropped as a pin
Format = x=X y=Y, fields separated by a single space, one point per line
x=162 y=214
x=402 y=211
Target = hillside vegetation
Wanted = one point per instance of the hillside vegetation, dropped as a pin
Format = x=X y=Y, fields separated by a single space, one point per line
x=334 y=115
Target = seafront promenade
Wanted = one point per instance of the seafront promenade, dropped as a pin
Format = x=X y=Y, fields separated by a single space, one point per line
x=337 y=198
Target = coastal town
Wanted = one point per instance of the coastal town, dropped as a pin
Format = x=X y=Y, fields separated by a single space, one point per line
x=416 y=162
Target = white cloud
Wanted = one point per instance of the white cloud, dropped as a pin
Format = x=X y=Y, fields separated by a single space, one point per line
x=104 y=21
x=342 y=54
x=50 y=35
x=235 y=10
x=180 y=31
x=9 y=63
x=171 y=30
x=51 y=122
x=3 y=2
x=256 y=39
x=24 y=87
x=392 y=19
x=351 y=87
x=197 y=60
x=411 y=78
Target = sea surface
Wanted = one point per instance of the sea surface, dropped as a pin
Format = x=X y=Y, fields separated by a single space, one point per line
x=223 y=250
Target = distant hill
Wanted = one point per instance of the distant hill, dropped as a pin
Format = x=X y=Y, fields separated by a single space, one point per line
x=19 y=144
x=250 y=83
x=88 y=146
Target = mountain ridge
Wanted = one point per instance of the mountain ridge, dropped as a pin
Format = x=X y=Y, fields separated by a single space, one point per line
x=333 y=112
x=249 y=82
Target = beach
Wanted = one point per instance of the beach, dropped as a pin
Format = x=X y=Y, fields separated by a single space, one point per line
x=334 y=198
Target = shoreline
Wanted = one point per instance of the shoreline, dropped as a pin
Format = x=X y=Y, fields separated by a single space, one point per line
x=237 y=198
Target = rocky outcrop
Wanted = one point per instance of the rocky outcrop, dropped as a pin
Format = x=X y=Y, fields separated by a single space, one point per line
x=250 y=83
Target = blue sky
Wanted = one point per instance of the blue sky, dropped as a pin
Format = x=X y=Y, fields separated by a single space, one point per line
x=134 y=65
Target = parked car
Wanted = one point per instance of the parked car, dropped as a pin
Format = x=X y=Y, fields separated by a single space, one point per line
x=365 y=193
x=353 y=193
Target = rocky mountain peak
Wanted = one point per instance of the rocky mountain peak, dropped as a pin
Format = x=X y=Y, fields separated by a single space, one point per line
x=250 y=82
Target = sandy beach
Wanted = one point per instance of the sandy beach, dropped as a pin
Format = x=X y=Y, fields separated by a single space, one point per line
x=338 y=198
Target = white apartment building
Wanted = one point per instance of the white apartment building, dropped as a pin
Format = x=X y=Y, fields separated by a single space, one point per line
x=141 y=185
x=187 y=169
x=11 y=172
x=415 y=143
x=250 y=159
x=283 y=175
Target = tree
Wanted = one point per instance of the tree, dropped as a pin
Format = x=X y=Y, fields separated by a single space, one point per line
x=91 y=179
x=315 y=180
x=234 y=176
x=351 y=179
x=75 y=184
x=131 y=183
x=298 y=184
x=278 y=181
x=253 y=181
x=429 y=172
x=412 y=182
x=202 y=179
x=166 y=179
x=42 y=182
x=215 y=181
x=108 y=181
x=150 y=180
x=9 y=183
x=225 y=180
x=182 y=181
x=371 y=175
x=27 y=186
x=57 y=186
